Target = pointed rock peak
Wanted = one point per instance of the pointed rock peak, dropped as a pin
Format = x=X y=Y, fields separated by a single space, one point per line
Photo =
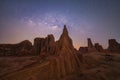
x=65 y=31
x=65 y=40
x=90 y=45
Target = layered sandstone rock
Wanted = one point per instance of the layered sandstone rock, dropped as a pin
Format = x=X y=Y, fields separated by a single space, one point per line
x=38 y=44
x=83 y=49
x=22 y=48
x=44 y=45
x=91 y=47
x=61 y=54
x=67 y=62
x=98 y=47
x=114 y=46
x=62 y=59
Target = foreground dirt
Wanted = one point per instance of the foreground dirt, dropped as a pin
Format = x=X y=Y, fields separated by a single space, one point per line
x=94 y=66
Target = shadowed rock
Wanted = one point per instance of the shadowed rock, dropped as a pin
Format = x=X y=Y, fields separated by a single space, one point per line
x=65 y=40
x=38 y=44
x=98 y=47
x=114 y=46
x=43 y=44
x=83 y=49
x=65 y=56
x=91 y=48
x=61 y=54
x=64 y=61
x=22 y=48
x=90 y=44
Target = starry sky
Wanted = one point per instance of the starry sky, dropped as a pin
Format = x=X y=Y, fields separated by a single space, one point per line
x=27 y=19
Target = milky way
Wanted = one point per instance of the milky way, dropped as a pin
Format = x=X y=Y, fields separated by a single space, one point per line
x=27 y=19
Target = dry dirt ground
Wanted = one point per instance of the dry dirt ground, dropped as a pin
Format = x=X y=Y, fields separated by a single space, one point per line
x=95 y=66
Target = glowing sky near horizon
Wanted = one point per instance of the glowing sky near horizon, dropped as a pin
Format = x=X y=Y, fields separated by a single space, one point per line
x=27 y=19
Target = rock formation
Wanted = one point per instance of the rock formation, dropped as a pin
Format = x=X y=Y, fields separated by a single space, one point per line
x=62 y=59
x=90 y=44
x=98 y=47
x=114 y=46
x=44 y=44
x=61 y=54
x=65 y=39
x=49 y=46
x=91 y=47
x=66 y=60
x=83 y=49
x=38 y=44
x=22 y=48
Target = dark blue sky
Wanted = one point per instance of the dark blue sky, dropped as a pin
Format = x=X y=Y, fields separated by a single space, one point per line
x=27 y=19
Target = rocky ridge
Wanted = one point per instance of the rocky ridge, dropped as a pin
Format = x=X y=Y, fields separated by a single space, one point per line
x=55 y=60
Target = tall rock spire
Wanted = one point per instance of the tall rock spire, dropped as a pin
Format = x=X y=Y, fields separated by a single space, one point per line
x=65 y=40
x=91 y=48
x=90 y=44
x=65 y=31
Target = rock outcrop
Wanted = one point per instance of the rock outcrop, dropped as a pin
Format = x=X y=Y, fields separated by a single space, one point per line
x=114 y=46
x=62 y=59
x=22 y=48
x=44 y=45
x=65 y=58
x=98 y=47
x=91 y=47
x=83 y=49
x=38 y=44
x=65 y=40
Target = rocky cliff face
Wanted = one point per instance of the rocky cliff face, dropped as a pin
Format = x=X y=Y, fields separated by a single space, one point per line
x=22 y=48
x=83 y=49
x=43 y=44
x=65 y=58
x=65 y=40
x=98 y=47
x=61 y=61
x=61 y=54
x=114 y=46
x=91 y=47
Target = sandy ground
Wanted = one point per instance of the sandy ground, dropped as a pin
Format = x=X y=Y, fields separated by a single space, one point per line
x=95 y=66
x=11 y=64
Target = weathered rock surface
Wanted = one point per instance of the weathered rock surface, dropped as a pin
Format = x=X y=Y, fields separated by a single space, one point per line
x=91 y=47
x=43 y=44
x=98 y=47
x=66 y=59
x=94 y=66
x=114 y=46
x=62 y=62
x=22 y=48
x=83 y=49
x=62 y=59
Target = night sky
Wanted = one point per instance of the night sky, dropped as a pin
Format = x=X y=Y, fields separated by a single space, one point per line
x=27 y=19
